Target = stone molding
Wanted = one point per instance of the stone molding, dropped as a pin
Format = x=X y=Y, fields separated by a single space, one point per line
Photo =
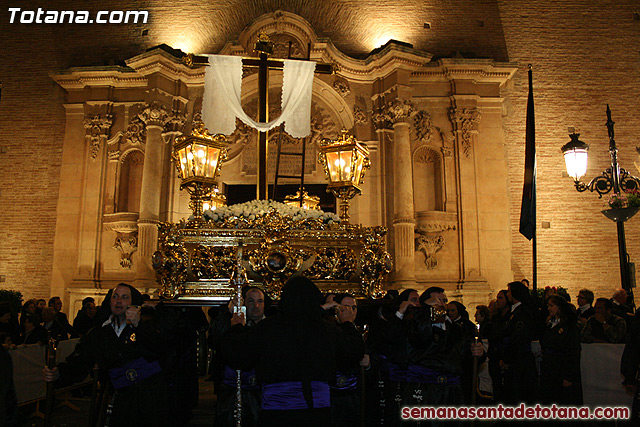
x=436 y=221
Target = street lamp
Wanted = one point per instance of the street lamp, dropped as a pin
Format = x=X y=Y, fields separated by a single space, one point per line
x=198 y=158
x=345 y=161
x=613 y=179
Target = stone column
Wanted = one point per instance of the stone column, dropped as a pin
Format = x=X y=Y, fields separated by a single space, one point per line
x=398 y=113
x=154 y=116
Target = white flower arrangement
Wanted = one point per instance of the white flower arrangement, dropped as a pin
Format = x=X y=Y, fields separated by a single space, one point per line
x=254 y=208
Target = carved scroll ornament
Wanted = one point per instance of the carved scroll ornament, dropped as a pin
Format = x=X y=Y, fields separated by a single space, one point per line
x=429 y=246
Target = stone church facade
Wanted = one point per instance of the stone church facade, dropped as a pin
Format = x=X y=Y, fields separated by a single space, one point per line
x=443 y=117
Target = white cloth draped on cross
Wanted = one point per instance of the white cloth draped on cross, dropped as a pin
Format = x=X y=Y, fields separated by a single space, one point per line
x=222 y=97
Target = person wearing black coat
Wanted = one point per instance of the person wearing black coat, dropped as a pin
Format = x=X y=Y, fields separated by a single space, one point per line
x=517 y=360
x=458 y=314
x=630 y=366
x=86 y=318
x=560 y=367
x=437 y=347
x=295 y=354
x=34 y=332
x=8 y=399
x=132 y=354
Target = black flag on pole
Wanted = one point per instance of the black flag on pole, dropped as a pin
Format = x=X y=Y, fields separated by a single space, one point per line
x=528 y=209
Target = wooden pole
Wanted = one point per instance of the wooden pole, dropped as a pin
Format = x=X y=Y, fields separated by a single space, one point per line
x=50 y=397
x=263 y=117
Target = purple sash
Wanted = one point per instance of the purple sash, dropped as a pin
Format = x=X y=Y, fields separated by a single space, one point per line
x=391 y=371
x=421 y=374
x=133 y=372
x=289 y=395
x=344 y=382
x=247 y=378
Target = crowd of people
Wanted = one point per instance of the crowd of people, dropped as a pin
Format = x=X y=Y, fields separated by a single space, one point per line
x=312 y=360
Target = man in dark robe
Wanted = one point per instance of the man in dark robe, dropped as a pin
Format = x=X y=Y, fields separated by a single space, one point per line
x=86 y=318
x=436 y=348
x=254 y=301
x=295 y=354
x=518 y=362
x=457 y=313
x=130 y=353
x=345 y=399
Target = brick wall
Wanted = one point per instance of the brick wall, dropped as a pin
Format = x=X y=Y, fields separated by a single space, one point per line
x=584 y=55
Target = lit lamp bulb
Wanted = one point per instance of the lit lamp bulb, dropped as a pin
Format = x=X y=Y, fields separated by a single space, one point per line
x=576 y=157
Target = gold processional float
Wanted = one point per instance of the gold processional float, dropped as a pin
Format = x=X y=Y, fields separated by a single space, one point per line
x=198 y=258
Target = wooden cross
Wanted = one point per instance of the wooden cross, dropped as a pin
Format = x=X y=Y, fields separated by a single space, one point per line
x=264 y=64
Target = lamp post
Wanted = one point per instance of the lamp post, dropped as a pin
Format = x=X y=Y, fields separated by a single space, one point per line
x=345 y=161
x=198 y=158
x=613 y=179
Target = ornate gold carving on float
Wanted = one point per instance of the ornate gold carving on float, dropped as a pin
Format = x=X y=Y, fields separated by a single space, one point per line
x=195 y=261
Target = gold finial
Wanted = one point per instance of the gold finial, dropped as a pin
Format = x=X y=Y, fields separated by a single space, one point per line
x=188 y=60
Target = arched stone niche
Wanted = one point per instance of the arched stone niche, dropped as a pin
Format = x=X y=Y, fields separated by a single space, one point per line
x=428 y=179
x=130 y=181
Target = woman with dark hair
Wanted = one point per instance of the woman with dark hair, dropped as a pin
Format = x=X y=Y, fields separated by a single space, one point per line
x=560 y=367
x=483 y=319
x=29 y=307
x=295 y=355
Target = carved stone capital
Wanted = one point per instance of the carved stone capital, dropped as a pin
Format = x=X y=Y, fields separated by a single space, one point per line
x=96 y=129
x=429 y=246
x=155 y=114
x=176 y=122
x=465 y=122
x=398 y=111
x=446 y=151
